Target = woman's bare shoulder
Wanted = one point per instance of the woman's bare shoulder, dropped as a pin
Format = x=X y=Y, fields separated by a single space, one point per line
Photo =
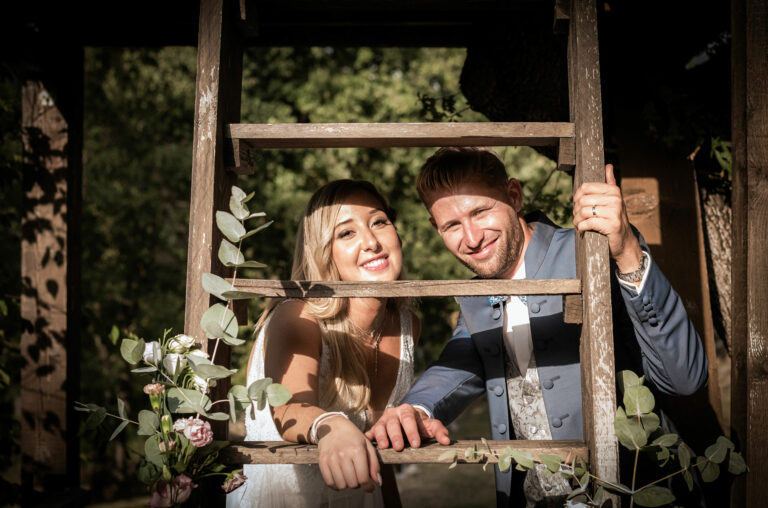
x=294 y=326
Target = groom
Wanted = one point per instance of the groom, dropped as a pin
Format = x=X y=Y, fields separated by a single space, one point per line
x=518 y=350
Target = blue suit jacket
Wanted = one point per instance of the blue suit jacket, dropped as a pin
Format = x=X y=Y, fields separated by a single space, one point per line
x=652 y=332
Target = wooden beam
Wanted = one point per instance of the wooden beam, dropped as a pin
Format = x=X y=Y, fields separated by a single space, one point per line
x=562 y=16
x=281 y=452
x=566 y=154
x=592 y=262
x=749 y=412
x=407 y=288
x=50 y=272
x=217 y=103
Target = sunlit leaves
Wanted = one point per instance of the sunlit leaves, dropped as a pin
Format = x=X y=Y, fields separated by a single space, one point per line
x=228 y=224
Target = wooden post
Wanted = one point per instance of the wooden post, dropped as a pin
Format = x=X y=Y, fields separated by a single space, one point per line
x=50 y=271
x=749 y=385
x=217 y=103
x=592 y=262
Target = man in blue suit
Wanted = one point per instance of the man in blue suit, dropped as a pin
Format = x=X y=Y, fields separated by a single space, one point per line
x=518 y=350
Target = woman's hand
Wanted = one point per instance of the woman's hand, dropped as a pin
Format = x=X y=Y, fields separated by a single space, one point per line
x=347 y=458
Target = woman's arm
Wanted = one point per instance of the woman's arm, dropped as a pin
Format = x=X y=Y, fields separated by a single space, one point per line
x=292 y=358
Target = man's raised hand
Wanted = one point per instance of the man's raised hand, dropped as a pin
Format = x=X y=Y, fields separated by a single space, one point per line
x=406 y=419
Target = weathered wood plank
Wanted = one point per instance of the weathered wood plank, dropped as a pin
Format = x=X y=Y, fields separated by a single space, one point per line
x=573 y=309
x=562 y=16
x=750 y=226
x=328 y=135
x=592 y=262
x=407 y=288
x=217 y=103
x=50 y=273
x=566 y=154
x=281 y=452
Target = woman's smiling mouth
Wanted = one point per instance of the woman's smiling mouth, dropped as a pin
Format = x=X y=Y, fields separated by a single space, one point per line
x=376 y=264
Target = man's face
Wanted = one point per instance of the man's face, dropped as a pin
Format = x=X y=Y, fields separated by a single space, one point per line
x=480 y=226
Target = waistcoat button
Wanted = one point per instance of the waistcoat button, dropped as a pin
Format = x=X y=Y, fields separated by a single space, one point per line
x=535 y=307
x=498 y=390
x=547 y=384
x=501 y=428
x=557 y=423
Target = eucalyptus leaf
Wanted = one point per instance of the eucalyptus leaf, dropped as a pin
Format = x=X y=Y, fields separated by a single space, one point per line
x=629 y=431
x=627 y=379
x=144 y=370
x=662 y=456
x=216 y=285
x=230 y=226
x=195 y=360
x=119 y=429
x=232 y=408
x=650 y=422
x=716 y=452
x=238 y=193
x=240 y=393
x=252 y=264
x=229 y=255
x=95 y=418
x=505 y=462
x=152 y=450
x=257 y=392
x=447 y=455
x=256 y=214
x=736 y=464
x=256 y=230
x=218 y=416
x=708 y=469
x=218 y=321
x=278 y=394
x=653 y=496
x=214 y=371
x=185 y=400
x=684 y=455
x=551 y=461
x=638 y=400
x=114 y=334
x=688 y=477
x=238 y=208
x=121 y=408
x=525 y=459
x=127 y=348
x=233 y=341
x=149 y=422
x=666 y=440
x=147 y=473
x=239 y=295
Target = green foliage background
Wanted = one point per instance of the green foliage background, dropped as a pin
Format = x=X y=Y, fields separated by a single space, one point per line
x=139 y=108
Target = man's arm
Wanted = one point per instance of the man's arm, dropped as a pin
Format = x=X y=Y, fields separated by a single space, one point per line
x=672 y=354
x=444 y=390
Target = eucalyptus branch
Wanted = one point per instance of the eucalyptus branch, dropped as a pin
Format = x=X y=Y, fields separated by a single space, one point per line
x=118 y=417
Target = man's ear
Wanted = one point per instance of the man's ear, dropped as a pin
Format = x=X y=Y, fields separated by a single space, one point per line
x=515 y=194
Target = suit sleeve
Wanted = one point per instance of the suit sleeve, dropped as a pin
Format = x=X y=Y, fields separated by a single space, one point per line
x=450 y=384
x=672 y=354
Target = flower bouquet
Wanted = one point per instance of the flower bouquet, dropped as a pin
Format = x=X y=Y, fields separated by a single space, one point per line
x=179 y=449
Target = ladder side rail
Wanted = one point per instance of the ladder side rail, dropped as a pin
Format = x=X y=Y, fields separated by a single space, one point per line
x=217 y=103
x=598 y=383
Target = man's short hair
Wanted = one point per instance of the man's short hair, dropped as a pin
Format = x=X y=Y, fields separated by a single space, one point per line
x=451 y=166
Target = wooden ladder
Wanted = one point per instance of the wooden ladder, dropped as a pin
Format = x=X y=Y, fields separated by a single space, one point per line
x=222 y=148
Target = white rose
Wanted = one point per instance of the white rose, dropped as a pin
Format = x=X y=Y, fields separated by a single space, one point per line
x=152 y=352
x=181 y=343
x=174 y=362
x=201 y=385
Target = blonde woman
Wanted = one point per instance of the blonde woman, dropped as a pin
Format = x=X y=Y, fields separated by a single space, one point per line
x=344 y=360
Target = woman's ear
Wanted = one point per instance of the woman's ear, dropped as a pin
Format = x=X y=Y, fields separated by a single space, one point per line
x=515 y=194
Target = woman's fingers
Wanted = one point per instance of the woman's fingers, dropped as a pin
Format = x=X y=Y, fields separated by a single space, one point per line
x=374 y=467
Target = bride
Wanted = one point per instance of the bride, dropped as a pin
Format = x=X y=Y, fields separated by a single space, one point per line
x=344 y=359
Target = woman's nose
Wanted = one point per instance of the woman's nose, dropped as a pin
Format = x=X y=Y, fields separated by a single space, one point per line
x=370 y=242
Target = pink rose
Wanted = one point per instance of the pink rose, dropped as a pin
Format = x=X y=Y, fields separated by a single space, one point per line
x=196 y=430
x=176 y=493
x=233 y=482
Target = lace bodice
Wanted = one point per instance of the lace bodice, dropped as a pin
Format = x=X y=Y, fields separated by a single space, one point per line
x=300 y=485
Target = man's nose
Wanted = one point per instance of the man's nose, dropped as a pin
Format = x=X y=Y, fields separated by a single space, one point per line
x=473 y=235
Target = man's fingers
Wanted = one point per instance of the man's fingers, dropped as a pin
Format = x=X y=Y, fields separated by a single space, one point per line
x=411 y=428
x=609 y=177
x=435 y=429
x=394 y=431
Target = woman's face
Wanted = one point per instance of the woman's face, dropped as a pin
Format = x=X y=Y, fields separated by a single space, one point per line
x=365 y=243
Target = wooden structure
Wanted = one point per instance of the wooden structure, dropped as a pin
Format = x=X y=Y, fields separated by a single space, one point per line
x=220 y=142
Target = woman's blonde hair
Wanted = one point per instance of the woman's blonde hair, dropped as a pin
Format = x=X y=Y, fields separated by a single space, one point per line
x=348 y=384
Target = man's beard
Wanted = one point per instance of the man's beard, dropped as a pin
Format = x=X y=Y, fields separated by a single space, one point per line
x=505 y=256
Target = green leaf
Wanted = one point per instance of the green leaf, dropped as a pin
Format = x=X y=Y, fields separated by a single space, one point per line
x=653 y=496
x=447 y=455
x=152 y=450
x=218 y=416
x=688 y=477
x=650 y=422
x=114 y=334
x=256 y=214
x=218 y=322
x=257 y=392
x=629 y=431
x=238 y=193
x=239 y=295
x=147 y=472
x=216 y=285
x=736 y=464
x=505 y=462
x=232 y=408
x=638 y=400
x=551 y=461
x=121 y=408
x=230 y=226
x=240 y=393
x=233 y=341
x=229 y=255
x=666 y=440
x=238 y=208
x=662 y=455
x=718 y=451
x=525 y=459
x=252 y=264
x=130 y=351
x=119 y=429
x=708 y=469
x=213 y=371
x=470 y=453
x=278 y=394
x=196 y=360
x=254 y=231
x=144 y=370
x=184 y=400
x=627 y=379
x=95 y=418
x=684 y=455
x=149 y=422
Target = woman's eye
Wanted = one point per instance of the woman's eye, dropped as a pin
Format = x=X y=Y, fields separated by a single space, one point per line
x=381 y=222
x=344 y=234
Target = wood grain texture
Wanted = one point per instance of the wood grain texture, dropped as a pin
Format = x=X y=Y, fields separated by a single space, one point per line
x=217 y=103
x=562 y=16
x=407 y=288
x=566 y=154
x=592 y=262
x=573 y=309
x=327 y=135
x=281 y=452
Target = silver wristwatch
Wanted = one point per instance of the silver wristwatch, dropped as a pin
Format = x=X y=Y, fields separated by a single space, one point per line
x=637 y=275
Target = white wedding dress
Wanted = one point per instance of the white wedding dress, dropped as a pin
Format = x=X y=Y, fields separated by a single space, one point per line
x=302 y=486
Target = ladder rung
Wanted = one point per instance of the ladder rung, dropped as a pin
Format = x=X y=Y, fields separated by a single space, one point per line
x=407 y=288
x=376 y=135
x=283 y=452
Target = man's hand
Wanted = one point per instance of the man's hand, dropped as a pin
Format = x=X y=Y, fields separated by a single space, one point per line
x=415 y=424
x=600 y=207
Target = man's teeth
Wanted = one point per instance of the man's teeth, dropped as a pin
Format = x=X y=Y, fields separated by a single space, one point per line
x=375 y=263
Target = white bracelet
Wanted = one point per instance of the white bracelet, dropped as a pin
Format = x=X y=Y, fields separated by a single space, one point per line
x=320 y=419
